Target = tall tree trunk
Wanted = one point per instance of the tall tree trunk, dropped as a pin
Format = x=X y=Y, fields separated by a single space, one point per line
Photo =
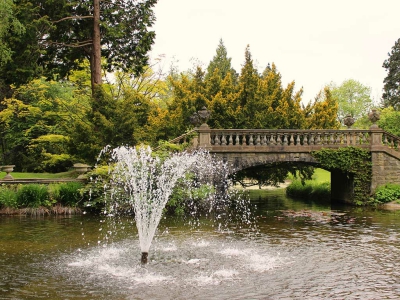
x=95 y=63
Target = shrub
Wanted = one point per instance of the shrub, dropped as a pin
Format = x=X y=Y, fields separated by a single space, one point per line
x=69 y=193
x=8 y=197
x=309 y=190
x=387 y=193
x=298 y=190
x=33 y=195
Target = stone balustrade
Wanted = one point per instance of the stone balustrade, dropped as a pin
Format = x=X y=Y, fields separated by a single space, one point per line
x=312 y=139
x=282 y=137
x=390 y=140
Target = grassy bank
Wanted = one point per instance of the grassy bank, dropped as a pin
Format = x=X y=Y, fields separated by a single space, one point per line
x=319 y=188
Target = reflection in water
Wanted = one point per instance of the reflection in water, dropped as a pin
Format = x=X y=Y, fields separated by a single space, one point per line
x=295 y=250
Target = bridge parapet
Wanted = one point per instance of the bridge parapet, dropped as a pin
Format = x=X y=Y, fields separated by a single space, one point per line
x=283 y=137
x=246 y=139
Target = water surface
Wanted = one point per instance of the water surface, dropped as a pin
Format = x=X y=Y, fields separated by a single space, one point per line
x=293 y=250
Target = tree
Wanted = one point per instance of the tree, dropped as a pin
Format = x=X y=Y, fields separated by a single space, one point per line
x=391 y=87
x=322 y=112
x=35 y=125
x=64 y=33
x=353 y=98
x=9 y=24
x=221 y=62
x=390 y=120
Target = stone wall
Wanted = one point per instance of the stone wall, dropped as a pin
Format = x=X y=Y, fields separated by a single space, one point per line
x=385 y=169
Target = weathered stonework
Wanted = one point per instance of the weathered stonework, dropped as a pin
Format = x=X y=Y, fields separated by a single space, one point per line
x=385 y=169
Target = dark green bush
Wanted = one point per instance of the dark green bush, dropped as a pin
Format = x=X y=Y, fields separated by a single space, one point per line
x=69 y=194
x=33 y=195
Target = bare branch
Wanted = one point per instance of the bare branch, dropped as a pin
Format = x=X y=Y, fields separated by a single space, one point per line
x=75 y=45
x=73 y=18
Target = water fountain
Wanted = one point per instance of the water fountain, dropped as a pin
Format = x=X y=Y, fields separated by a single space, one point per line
x=142 y=183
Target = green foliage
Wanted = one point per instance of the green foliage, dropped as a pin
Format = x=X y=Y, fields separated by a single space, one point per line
x=35 y=124
x=386 y=193
x=189 y=200
x=93 y=193
x=322 y=112
x=9 y=24
x=309 y=190
x=221 y=64
x=391 y=87
x=353 y=97
x=69 y=194
x=349 y=160
x=8 y=197
x=39 y=195
x=390 y=120
x=33 y=196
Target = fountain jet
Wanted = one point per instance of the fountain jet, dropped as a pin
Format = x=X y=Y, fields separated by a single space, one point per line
x=147 y=182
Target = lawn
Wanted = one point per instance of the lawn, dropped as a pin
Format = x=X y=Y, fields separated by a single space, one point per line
x=18 y=175
x=321 y=175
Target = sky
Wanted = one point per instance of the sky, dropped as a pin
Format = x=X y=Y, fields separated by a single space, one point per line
x=311 y=42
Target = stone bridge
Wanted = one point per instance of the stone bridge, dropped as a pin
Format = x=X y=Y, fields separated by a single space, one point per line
x=244 y=148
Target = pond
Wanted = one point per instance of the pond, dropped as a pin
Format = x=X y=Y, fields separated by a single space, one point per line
x=292 y=249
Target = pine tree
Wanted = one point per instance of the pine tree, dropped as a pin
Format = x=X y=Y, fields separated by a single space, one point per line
x=246 y=101
x=222 y=63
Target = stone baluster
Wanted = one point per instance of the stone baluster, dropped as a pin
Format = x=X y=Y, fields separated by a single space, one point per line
x=363 y=138
x=298 y=140
x=291 y=139
x=237 y=140
x=337 y=138
x=278 y=139
x=267 y=139
x=273 y=140
x=258 y=140
x=331 y=141
x=217 y=141
x=251 y=139
x=223 y=139
x=323 y=138
x=312 y=139
x=385 y=140
x=263 y=139
x=285 y=139
x=345 y=138
x=318 y=140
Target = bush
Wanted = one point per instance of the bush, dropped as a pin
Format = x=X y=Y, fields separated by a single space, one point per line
x=69 y=193
x=33 y=195
x=8 y=197
x=387 y=193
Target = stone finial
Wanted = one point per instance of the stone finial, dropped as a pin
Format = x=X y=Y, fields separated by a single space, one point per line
x=200 y=117
x=374 y=117
x=348 y=121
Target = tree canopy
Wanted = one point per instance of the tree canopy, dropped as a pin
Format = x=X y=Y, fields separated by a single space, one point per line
x=60 y=35
x=391 y=87
x=353 y=98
